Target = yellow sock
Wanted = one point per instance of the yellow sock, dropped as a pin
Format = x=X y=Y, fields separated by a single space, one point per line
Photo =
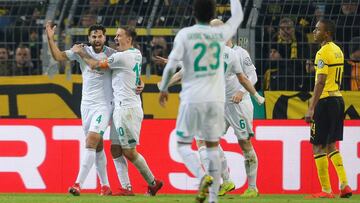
x=336 y=159
x=322 y=165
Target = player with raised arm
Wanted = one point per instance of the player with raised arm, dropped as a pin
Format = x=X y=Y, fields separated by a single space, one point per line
x=201 y=112
x=95 y=103
x=238 y=113
x=128 y=113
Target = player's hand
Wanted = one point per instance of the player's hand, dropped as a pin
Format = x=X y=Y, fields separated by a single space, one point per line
x=309 y=115
x=163 y=98
x=77 y=48
x=140 y=87
x=237 y=97
x=160 y=60
x=50 y=29
x=259 y=99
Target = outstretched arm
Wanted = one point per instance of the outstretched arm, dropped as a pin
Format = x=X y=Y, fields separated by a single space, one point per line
x=55 y=51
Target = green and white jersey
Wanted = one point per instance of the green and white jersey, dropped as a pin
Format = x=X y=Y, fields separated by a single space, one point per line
x=126 y=71
x=201 y=48
x=248 y=68
x=232 y=67
x=96 y=88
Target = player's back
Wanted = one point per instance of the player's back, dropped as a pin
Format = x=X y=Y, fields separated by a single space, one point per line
x=231 y=81
x=203 y=77
x=126 y=71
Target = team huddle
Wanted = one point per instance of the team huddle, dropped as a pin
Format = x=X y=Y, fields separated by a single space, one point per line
x=217 y=79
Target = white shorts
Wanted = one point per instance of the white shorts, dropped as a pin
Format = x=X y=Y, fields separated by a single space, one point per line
x=205 y=121
x=125 y=130
x=95 y=120
x=240 y=117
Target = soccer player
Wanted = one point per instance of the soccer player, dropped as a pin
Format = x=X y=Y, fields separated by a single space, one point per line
x=326 y=110
x=239 y=115
x=128 y=113
x=201 y=112
x=95 y=103
x=238 y=112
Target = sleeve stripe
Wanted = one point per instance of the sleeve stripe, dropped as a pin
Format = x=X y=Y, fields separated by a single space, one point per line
x=330 y=65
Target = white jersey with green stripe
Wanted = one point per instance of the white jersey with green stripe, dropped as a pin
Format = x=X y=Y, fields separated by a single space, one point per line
x=126 y=71
x=232 y=67
x=201 y=47
x=96 y=87
x=247 y=66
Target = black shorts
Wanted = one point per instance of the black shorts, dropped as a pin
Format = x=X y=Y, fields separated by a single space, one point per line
x=328 y=122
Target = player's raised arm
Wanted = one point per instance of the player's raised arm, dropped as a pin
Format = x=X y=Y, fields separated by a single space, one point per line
x=237 y=16
x=55 y=51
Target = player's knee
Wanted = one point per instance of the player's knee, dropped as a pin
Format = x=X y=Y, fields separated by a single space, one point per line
x=245 y=145
x=331 y=147
x=116 y=151
x=92 y=140
x=130 y=154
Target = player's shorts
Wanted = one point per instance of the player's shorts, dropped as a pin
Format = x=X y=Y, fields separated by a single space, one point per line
x=240 y=117
x=125 y=130
x=203 y=120
x=95 y=120
x=328 y=122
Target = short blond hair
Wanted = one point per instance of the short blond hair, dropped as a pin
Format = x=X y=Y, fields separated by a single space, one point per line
x=216 y=22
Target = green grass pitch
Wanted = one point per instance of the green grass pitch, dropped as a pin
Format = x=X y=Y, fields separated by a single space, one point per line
x=93 y=198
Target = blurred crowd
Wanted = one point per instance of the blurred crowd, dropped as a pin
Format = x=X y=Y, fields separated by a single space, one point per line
x=285 y=48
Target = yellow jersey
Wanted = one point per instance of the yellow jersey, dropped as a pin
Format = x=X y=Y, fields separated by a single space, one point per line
x=329 y=60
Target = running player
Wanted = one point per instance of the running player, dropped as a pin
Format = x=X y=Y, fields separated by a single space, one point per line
x=238 y=113
x=201 y=112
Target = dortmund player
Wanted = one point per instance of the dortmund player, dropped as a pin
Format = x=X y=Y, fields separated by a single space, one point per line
x=326 y=110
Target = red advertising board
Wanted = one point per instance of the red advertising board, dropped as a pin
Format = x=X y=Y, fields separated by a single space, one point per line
x=44 y=156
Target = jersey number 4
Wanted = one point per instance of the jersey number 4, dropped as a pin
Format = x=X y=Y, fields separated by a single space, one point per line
x=215 y=47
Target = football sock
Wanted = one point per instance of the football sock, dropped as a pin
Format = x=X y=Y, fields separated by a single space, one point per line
x=251 y=167
x=100 y=164
x=86 y=165
x=214 y=171
x=336 y=159
x=190 y=159
x=203 y=157
x=322 y=165
x=225 y=172
x=122 y=171
x=144 y=169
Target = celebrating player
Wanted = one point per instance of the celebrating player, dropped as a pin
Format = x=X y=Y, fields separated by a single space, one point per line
x=201 y=112
x=95 y=103
x=128 y=113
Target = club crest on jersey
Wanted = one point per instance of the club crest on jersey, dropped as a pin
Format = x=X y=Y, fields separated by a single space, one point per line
x=110 y=60
x=320 y=64
x=247 y=61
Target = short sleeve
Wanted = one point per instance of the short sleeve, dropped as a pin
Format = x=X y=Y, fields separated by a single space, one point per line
x=116 y=60
x=322 y=64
